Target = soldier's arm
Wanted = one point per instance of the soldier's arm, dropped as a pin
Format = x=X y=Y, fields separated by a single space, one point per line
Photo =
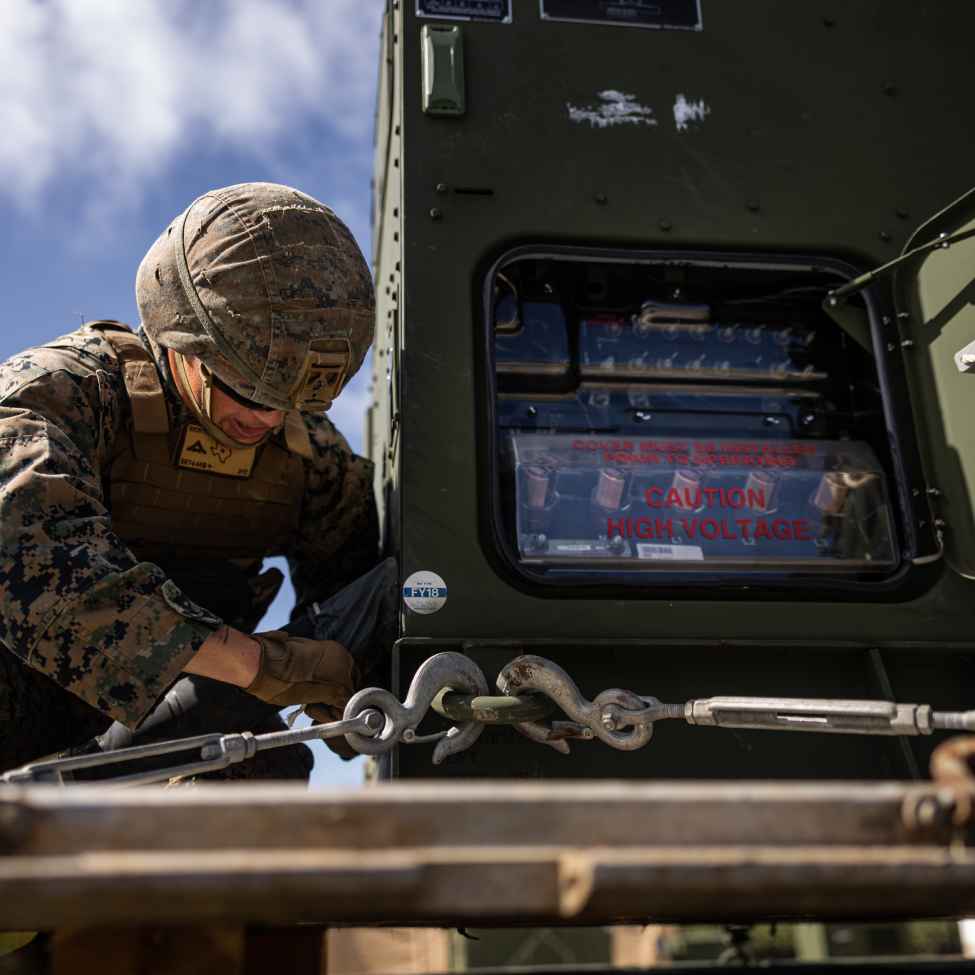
x=338 y=535
x=227 y=655
x=76 y=604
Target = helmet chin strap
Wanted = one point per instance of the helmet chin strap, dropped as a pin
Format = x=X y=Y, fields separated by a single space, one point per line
x=206 y=407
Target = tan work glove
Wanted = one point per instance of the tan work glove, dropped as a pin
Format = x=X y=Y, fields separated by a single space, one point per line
x=323 y=714
x=299 y=671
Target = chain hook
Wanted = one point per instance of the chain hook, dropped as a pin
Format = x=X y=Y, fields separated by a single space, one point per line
x=532 y=673
x=449 y=669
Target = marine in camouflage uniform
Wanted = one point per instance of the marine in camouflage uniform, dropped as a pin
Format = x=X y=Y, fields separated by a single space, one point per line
x=93 y=629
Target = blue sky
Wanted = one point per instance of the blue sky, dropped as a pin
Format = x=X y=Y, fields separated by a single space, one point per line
x=116 y=114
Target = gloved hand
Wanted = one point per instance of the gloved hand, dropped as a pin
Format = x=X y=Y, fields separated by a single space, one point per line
x=324 y=714
x=299 y=671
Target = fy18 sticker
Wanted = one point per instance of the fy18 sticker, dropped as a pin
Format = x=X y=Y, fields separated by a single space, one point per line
x=424 y=592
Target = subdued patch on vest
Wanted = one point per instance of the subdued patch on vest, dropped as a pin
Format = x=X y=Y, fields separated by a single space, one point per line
x=201 y=452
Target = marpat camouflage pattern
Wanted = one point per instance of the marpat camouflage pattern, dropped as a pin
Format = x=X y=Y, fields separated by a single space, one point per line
x=76 y=603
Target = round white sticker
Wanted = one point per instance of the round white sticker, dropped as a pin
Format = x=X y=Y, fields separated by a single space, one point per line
x=424 y=592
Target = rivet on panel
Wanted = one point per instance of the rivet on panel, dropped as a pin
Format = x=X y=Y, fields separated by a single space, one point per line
x=441 y=187
x=600 y=197
x=434 y=214
x=886 y=235
x=665 y=225
x=753 y=205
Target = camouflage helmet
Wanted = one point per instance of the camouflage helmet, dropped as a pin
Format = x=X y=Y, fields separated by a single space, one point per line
x=268 y=288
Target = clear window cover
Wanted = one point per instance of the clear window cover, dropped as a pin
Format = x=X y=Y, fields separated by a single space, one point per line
x=667 y=420
x=648 y=503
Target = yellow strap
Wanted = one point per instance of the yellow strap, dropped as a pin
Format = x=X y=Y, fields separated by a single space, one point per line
x=141 y=378
x=149 y=414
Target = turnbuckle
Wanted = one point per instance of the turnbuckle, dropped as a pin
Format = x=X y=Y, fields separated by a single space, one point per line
x=531 y=689
x=216 y=752
x=625 y=720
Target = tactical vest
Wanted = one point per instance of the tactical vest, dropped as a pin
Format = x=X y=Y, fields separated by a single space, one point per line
x=178 y=491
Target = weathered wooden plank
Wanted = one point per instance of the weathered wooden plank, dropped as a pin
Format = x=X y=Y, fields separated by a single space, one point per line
x=49 y=820
x=493 y=853
x=460 y=885
x=279 y=886
x=746 y=882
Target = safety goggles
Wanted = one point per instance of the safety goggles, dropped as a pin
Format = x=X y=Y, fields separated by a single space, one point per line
x=321 y=379
x=232 y=393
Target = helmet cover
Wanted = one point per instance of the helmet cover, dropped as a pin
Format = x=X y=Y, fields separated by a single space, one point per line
x=268 y=287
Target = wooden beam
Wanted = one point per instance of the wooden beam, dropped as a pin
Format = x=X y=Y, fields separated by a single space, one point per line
x=489 y=853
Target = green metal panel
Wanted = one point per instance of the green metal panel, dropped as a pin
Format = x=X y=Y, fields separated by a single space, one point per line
x=935 y=308
x=815 y=134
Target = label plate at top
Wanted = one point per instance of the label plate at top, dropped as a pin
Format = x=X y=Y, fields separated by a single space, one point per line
x=498 y=11
x=677 y=14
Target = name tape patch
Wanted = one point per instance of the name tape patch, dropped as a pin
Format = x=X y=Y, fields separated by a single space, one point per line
x=201 y=452
x=424 y=592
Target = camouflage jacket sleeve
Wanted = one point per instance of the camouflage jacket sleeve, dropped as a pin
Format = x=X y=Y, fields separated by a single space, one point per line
x=338 y=535
x=76 y=604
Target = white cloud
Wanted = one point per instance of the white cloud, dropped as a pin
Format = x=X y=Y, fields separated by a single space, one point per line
x=113 y=90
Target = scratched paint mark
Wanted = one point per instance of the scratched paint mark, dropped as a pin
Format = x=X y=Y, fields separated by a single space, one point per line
x=685 y=111
x=617 y=109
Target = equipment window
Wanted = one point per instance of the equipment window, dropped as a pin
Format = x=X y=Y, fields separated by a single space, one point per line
x=675 y=419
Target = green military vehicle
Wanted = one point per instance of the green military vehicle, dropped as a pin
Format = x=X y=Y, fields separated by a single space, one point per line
x=627 y=418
